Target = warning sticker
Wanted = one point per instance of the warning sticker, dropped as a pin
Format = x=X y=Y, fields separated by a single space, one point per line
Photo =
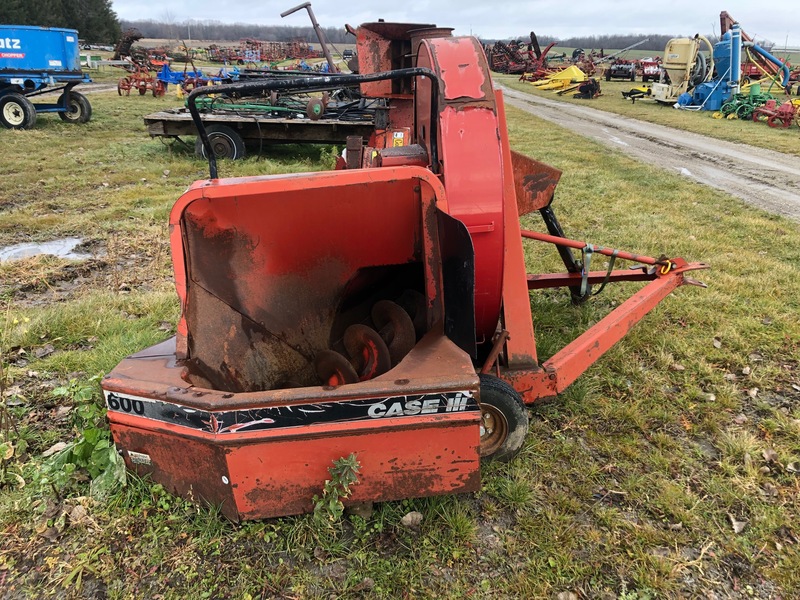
x=12 y=55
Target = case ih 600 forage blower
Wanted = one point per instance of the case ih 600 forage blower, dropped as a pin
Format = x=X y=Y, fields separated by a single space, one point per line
x=380 y=309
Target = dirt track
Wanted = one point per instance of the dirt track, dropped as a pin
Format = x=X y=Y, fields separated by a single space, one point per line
x=763 y=178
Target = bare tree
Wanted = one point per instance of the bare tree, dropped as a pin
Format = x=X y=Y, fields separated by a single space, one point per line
x=169 y=19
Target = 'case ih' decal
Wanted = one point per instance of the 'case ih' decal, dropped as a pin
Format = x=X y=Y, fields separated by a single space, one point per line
x=260 y=419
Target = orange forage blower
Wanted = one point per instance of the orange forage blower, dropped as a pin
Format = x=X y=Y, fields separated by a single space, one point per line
x=380 y=310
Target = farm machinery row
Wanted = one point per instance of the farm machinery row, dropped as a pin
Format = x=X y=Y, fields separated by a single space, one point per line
x=764 y=108
x=142 y=78
x=517 y=57
x=380 y=310
x=700 y=80
x=255 y=51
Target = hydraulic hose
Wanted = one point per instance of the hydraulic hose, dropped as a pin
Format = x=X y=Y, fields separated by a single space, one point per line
x=775 y=61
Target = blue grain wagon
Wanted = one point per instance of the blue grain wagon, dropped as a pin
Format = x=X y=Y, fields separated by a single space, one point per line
x=34 y=60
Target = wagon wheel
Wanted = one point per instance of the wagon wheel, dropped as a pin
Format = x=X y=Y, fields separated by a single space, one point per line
x=192 y=83
x=159 y=89
x=504 y=420
x=124 y=85
x=142 y=88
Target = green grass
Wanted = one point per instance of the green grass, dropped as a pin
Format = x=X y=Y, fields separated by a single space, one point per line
x=702 y=122
x=627 y=485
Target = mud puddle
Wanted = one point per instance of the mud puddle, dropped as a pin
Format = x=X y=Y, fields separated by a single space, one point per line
x=63 y=248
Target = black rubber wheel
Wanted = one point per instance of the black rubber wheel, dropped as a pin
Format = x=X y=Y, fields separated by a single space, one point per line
x=17 y=112
x=504 y=420
x=225 y=142
x=80 y=111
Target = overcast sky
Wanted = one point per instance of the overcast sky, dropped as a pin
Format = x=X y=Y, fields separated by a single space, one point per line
x=775 y=20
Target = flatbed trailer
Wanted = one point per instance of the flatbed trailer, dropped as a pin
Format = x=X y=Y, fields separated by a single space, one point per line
x=230 y=132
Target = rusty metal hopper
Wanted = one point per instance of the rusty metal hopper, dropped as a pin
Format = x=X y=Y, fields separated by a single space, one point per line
x=270 y=272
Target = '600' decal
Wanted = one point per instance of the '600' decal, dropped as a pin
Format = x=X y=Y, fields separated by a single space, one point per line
x=125 y=404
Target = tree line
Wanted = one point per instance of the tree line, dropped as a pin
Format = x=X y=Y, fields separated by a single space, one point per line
x=95 y=20
x=656 y=41
x=194 y=29
x=216 y=30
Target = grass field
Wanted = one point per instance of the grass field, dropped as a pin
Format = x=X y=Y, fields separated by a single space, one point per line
x=669 y=469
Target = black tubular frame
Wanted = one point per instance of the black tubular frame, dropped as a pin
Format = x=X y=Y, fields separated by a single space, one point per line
x=314 y=84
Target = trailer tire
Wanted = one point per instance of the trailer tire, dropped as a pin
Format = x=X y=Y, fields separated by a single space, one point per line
x=225 y=142
x=80 y=109
x=17 y=112
x=504 y=420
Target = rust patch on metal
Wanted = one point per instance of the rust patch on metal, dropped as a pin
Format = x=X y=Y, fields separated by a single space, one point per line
x=534 y=183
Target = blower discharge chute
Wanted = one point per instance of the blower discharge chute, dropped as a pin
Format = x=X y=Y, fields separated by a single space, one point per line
x=380 y=310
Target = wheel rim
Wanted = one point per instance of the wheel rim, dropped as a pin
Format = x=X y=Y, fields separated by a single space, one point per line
x=222 y=146
x=74 y=111
x=13 y=114
x=494 y=429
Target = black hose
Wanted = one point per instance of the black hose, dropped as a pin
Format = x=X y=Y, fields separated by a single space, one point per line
x=699 y=71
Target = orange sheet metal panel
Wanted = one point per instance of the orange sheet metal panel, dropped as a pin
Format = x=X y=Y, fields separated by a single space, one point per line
x=469 y=144
x=262 y=466
x=423 y=457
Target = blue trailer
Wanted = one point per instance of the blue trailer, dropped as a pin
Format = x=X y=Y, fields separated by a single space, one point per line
x=34 y=60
